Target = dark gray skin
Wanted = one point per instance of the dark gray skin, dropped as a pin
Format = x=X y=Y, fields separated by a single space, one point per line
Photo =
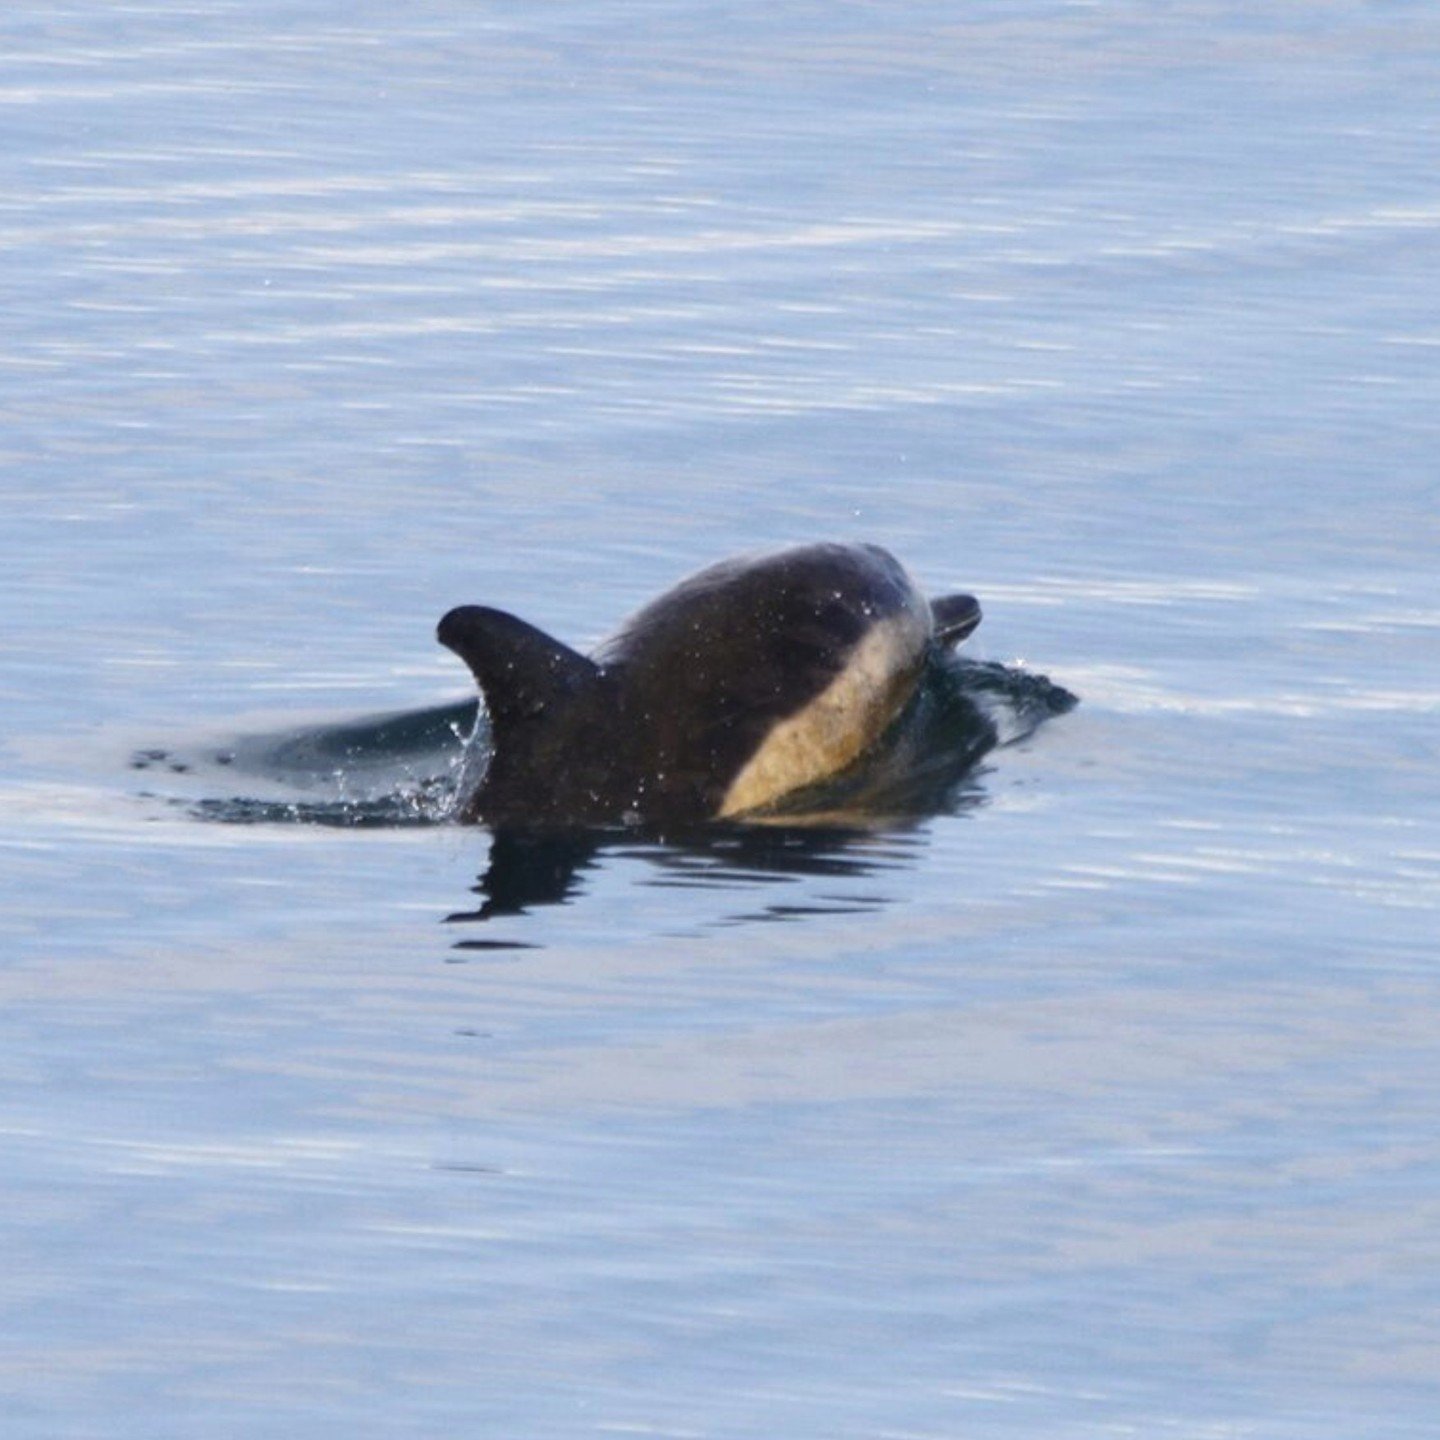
x=656 y=725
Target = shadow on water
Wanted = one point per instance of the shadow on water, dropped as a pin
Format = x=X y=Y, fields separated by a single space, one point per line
x=407 y=769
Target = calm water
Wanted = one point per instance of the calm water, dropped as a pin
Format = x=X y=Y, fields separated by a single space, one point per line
x=1103 y=1106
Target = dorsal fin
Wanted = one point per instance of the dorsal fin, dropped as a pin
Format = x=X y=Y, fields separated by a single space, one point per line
x=955 y=617
x=520 y=670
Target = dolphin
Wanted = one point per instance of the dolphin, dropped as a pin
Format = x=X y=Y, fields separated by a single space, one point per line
x=749 y=681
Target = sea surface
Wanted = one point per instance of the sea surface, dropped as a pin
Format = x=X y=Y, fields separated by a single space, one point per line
x=1103 y=1103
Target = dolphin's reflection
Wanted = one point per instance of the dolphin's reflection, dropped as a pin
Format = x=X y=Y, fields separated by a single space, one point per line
x=528 y=871
x=770 y=859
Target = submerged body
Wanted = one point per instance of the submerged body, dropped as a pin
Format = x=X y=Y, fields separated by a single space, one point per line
x=752 y=680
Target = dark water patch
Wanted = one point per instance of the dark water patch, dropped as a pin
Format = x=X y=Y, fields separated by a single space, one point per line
x=417 y=739
x=494 y=945
x=393 y=769
x=354 y=750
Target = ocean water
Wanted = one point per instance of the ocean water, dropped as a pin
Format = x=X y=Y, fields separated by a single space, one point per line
x=1102 y=1103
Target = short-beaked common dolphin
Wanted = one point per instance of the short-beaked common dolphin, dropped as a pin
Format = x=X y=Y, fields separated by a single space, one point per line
x=751 y=680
